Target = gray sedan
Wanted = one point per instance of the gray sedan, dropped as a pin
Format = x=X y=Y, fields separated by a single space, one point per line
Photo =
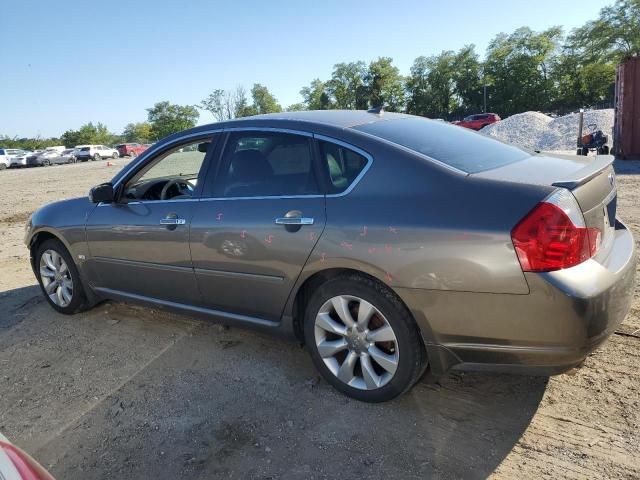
x=389 y=244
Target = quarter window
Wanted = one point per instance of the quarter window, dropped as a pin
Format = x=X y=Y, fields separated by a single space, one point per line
x=343 y=165
x=266 y=164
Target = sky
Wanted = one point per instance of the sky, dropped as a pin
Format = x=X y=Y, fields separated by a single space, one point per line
x=69 y=62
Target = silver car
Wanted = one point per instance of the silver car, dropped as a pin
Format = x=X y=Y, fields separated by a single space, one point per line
x=388 y=244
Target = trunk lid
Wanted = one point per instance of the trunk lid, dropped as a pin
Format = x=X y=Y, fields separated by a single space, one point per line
x=591 y=180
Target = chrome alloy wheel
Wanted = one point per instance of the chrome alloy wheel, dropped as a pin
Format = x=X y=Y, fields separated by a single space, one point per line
x=56 y=278
x=356 y=342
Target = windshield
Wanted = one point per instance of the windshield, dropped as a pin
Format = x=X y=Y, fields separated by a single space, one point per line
x=455 y=146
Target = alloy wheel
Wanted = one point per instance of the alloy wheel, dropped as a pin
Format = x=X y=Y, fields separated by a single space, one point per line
x=56 y=278
x=356 y=342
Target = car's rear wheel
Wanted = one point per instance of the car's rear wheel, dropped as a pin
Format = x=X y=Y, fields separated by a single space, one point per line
x=362 y=339
x=132 y=154
x=59 y=278
x=96 y=157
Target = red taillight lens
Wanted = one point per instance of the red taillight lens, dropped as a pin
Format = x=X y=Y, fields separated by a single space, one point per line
x=546 y=239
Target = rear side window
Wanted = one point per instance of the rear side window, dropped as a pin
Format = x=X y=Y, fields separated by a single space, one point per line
x=257 y=164
x=343 y=165
x=455 y=146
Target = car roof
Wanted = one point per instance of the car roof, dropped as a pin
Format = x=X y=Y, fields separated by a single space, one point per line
x=336 y=119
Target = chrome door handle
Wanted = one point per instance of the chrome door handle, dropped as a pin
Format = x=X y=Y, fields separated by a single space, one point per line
x=294 y=221
x=172 y=221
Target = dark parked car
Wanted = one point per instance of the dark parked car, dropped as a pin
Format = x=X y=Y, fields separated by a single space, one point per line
x=387 y=243
x=478 y=121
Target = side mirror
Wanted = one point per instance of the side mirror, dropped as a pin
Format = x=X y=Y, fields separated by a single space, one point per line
x=102 y=193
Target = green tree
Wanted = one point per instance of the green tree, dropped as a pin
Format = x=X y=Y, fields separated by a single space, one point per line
x=430 y=86
x=89 y=134
x=468 y=85
x=518 y=66
x=226 y=104
x=167 y=118
x=614 y=35
x=315 y=96
x=384 y=85
x=137 y=132
x=347 y=87
x=263 y=100
x=296 y=107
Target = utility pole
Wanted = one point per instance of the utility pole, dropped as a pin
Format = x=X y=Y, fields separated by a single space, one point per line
x=485 y=100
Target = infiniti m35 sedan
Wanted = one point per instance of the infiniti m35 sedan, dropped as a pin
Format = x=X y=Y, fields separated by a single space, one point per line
x=388 y=244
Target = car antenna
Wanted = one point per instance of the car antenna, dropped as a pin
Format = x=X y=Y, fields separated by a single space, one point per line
x=377 y=110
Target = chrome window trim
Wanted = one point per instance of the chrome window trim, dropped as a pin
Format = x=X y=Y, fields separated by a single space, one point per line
x=142 y=158
x=415 y=152
x=357 y=150
x=270 y=130
x=272 y=197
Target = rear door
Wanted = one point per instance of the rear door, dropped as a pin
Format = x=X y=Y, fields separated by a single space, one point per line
x=140 y=244
x=263 y=213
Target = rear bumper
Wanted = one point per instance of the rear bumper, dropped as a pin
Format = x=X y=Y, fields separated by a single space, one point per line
x=566 y=315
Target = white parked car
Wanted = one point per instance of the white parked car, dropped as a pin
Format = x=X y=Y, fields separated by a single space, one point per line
x=95 y=152
x=5 y=156
x=20 y=158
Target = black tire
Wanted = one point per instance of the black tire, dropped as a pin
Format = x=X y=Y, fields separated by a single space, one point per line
x=585 y=151
x=132 y=154
x=579 y=151
x=78 y=300
x=2 y=166
x=115 y=155
x=97 y=157
x=605 y=150
x=412 y=357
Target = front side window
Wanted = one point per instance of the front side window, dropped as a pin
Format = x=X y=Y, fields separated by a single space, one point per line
x=256 y=164
x=172 y=175
x=343 y=165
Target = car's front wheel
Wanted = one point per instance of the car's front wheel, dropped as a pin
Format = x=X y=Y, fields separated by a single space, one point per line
x=59 y=278
x=115 y=155
x=362 y=339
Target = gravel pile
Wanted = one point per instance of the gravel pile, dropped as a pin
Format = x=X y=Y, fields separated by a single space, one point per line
x=562 y=132
x=537 y=131
x=523 y=129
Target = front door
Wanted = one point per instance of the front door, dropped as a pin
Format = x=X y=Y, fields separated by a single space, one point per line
x=265 y=212
x=139 y=244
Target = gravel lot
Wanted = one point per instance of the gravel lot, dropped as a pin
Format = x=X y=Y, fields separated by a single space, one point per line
x=128 y=392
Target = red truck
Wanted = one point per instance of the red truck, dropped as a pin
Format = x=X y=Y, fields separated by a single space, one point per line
x=130 y=149
x=479 y=120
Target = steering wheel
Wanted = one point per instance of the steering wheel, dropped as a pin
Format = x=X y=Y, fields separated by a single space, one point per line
x=183 y=187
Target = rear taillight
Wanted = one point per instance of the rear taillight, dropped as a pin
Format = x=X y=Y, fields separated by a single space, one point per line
x=554 y=236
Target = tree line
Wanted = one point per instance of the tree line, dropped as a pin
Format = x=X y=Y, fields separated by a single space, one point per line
x=525 y=70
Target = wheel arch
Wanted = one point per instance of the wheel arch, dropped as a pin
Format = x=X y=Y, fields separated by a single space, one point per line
x=315 y=280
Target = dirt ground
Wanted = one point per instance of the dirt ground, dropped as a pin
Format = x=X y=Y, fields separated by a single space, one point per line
x=127 y=392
